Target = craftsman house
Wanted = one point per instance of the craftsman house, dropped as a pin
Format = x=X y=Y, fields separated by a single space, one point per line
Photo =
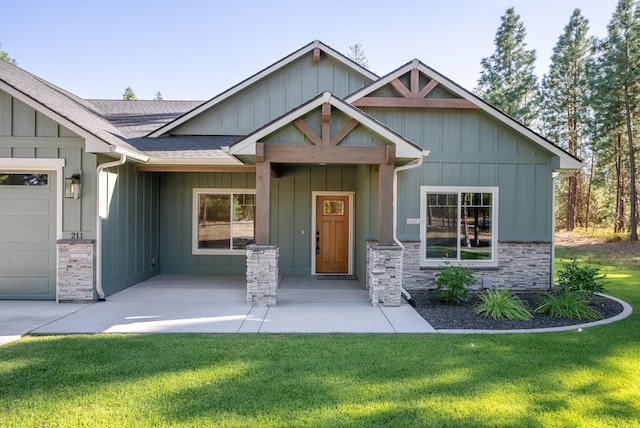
x=314 y=166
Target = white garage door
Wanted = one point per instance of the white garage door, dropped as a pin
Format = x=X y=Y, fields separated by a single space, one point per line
x=27 y=235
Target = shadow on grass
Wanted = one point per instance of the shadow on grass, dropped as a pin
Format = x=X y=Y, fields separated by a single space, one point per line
x=326 y=380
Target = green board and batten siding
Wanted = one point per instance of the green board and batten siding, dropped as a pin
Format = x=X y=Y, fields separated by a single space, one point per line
x=291 y=204
x=467 y=148
x=130 y=240
x=274 y=96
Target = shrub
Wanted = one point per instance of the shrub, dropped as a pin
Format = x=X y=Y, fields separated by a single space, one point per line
x=502 y=304
x=574 y=277
x=452 y=283
x=568 y=304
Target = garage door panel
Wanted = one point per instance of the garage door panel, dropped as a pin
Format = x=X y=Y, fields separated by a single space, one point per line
x=24 y=231
x=25 y=260
x=20 y=287
x=35 y=206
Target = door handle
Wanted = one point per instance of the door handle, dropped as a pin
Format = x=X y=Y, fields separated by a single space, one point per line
x=317 y=251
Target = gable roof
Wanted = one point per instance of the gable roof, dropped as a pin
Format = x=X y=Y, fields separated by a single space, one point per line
x=567 y=160
x=67 y=109
x=261 y=75
x=404 y=147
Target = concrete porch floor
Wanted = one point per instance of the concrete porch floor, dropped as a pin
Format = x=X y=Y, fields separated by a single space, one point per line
x=214 y=304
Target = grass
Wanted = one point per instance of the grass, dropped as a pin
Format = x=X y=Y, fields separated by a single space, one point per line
x=568 y=379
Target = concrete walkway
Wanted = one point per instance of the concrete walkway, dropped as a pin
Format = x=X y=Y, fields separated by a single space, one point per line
x=214 y=304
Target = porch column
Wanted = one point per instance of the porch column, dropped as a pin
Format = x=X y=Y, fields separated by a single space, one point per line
x=263 y=200
x=385 y=204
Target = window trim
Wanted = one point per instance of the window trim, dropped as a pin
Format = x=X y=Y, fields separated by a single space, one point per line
x=424 y=190
x=195 y=219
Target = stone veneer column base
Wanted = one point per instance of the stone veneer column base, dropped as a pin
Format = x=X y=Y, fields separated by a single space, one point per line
x=75 y=270
x=262 y=275
x=385 y=274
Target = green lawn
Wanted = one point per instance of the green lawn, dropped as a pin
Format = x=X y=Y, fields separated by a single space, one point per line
x=589 y=379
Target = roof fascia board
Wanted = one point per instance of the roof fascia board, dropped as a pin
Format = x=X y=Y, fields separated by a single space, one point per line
x=92 y=143
x=566 y=160
x=404 y=149
x=257 y=77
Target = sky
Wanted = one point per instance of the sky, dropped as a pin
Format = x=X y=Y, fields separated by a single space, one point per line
x=196 y=49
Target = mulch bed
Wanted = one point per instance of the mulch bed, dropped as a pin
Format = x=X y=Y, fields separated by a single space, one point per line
x=446 y=316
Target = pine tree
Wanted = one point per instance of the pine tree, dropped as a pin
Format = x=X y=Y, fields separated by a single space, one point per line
x=357 y=55
x=564 y=91
x=158 y=96
x=507 y=80
x=4 y=56
x=129 y=95
x=616 y=101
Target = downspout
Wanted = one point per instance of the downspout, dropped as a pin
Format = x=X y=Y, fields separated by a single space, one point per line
x=554 y=176
x=99 y=290
x=411 y=165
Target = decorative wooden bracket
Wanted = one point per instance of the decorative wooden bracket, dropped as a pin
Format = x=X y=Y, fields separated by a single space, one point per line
x=325 y=139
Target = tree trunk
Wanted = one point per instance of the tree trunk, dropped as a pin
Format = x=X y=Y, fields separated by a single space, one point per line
x=586 y=218
x=571 y=202
x=633 y=222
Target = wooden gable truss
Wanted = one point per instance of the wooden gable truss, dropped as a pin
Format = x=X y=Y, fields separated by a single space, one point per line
x=414 y=96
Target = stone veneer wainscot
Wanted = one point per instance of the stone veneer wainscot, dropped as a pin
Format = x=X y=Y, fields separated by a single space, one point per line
x=521 y=266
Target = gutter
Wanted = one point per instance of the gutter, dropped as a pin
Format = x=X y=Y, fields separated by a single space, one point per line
x=411 y=165
x=99 y=290
x=552 y=262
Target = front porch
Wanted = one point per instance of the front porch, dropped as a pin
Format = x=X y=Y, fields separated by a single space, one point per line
x=217 y=304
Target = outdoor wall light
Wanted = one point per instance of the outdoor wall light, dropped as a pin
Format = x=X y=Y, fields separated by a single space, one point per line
x=72 y=187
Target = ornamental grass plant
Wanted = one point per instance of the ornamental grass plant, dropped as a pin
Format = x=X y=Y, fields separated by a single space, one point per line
x=502 y=304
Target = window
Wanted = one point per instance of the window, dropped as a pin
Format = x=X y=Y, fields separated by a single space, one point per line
x=223 y=220
x=24 y=179
x=458 y=224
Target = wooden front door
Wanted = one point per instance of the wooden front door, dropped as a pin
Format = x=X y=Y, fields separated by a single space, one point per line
x=332 y=234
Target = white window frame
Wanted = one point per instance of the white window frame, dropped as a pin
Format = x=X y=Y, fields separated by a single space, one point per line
x=195 y=220
x=424 y=191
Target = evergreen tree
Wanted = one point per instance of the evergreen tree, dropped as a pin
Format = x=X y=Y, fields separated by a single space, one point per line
x=4 y=56
x=129 y=95
x=616 y=101
x=158 y=96
x=507 y=80
x=357 y=55
x=564 y=110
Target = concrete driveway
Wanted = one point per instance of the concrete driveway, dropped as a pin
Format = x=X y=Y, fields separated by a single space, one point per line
x=213 y=304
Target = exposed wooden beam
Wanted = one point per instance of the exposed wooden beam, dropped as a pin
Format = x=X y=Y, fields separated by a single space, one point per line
x=415 y=102
x=284 y=153
x=263 y=202
x=390 y=154
x=316 y=56
x=259 y=152
x=344 y=131
x=415 y=82
x=399 y=86
x=194 y=168
x=326 y=124
x=428 y=88
x=385 y=204
x=307 y=131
